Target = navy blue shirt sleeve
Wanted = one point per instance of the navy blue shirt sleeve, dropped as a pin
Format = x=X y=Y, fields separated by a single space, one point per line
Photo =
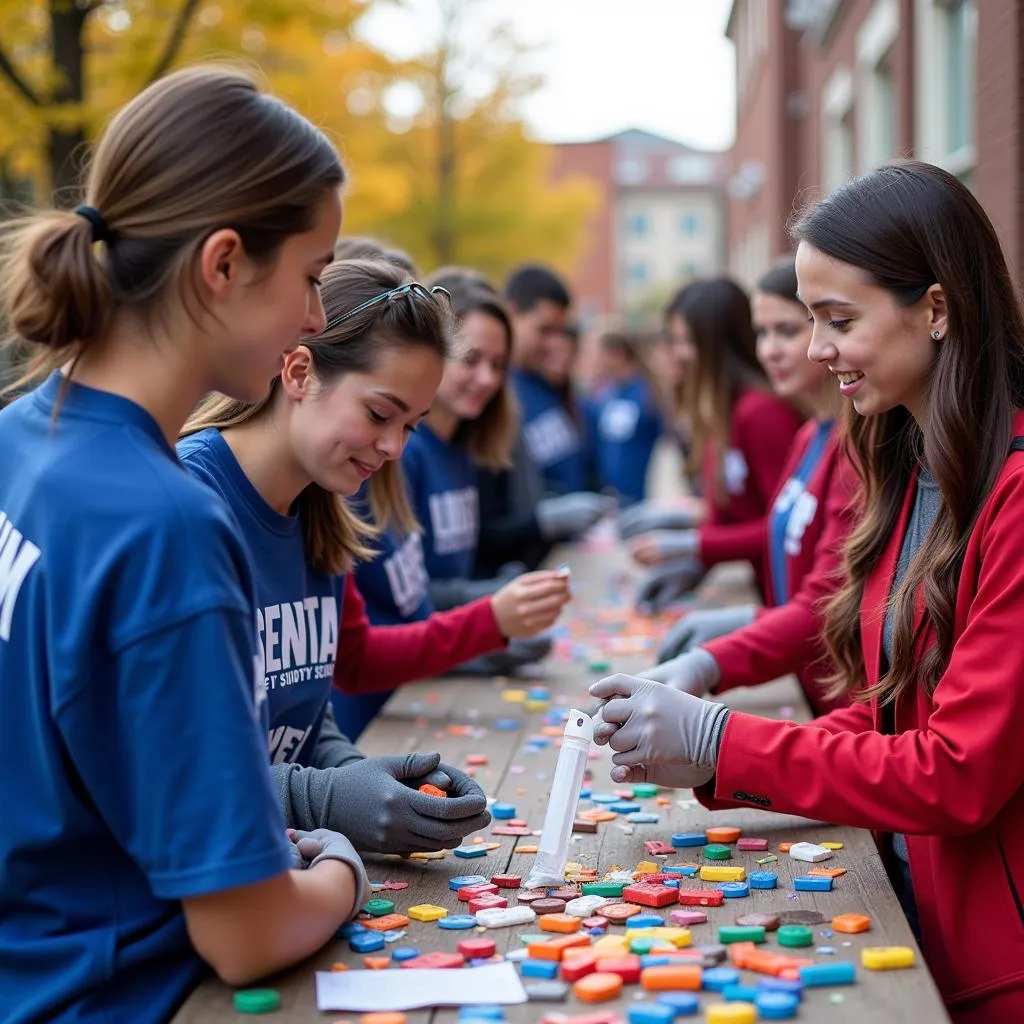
x=169 y=750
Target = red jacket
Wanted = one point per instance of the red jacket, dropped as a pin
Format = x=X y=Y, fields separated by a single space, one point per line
x=761 y=431
x=373 y=659
x=787 y=638
x=951 y=776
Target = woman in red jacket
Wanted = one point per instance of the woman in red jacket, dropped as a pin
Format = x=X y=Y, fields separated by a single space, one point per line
x=741 y=434
x=917 y=316
x=810 y=517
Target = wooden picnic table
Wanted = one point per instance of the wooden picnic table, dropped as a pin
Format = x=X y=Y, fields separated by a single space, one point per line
x=457 y=717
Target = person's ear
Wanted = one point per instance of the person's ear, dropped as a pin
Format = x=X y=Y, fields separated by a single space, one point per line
x=938 y=312
x=297 y=373
x=220 y=263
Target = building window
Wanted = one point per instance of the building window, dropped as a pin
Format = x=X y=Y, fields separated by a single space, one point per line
x=637 y=225
x=632 y=171
x=837 y=129
x=689 y=225
x=945 y=62
x=876 y=113
x=691 y=170
x=637 y=272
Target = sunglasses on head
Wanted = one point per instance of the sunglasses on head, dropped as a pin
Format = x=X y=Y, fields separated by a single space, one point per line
x=412 y=288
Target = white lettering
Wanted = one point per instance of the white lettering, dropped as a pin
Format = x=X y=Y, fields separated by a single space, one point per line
x=454 y=518
x=619 y=419
x=293 y=635
x=285 y=742
x=734 y=471
x=312 y=605
x=551 y=437
x=271 y=614
x=17 y=556
x=407 y=575
x=328 y=629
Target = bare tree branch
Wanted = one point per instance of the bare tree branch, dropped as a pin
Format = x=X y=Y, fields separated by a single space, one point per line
x=19 y=83
x=175 y=39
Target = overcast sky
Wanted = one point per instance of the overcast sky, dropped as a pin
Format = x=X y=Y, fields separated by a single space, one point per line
x=662 y=65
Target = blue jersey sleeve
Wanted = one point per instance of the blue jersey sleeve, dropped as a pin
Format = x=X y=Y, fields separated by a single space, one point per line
x=169 y=751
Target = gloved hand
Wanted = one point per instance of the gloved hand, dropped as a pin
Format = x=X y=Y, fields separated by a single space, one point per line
x=322 y=844
x=376 y=804
x=695 y=672
x=569 y=516
x=520 y=651
x=667 y=583
x=645 y=516
x=660 y=734
x=700 y=627
x=662 y=545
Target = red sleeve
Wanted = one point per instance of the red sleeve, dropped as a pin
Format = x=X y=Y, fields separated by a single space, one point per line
x=954 y=772
x=787 y=638
x=763 y=430
x=373 y=659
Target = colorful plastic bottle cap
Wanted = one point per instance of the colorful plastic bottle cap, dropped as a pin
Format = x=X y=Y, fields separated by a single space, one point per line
x=455 y=922
x=644 y=790
x=650 y=1013
x=722 y=834
x=257 y=1000
x=547 y=969
x=776 y=1005
x=464 y=881
x=816 y=975
x=851 y=923
x=887 y=958
x=795 y=935
x=682 y=1003
x=731 y=1013
x=384 y=1017
x=379 y=907
x=763 y=879
x=734 y=890
x=717 y=851
x=404 y=953
x=598 y=987
x=769 y=922
x=503 y=811
x=428 y=790
x=715 y=979
x=728 y=933
x=684 y=839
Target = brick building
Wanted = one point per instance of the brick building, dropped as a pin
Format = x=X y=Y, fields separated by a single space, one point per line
x=659 y=223
x=827 y=89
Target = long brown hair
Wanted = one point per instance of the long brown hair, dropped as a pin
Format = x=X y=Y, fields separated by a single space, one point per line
x=332 y=532
x=489 y=438
x=717 y=313
x=909 y=226
x=200 y=149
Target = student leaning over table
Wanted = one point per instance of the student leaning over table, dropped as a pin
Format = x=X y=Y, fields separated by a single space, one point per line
x=338 y=416
x=741 y=436
x=812 y=514
x=915 y=313
x=142 y=841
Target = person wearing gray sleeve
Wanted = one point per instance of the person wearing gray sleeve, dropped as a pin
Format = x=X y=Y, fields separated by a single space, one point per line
x=376 y=803
x=333 y=748
x=645 y=516
x=668 y=582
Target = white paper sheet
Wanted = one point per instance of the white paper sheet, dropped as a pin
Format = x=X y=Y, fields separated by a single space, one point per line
x=381 y=990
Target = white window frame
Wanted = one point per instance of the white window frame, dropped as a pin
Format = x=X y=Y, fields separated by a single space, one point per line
x=836 y=106
x=932 y=89
x=875 y=41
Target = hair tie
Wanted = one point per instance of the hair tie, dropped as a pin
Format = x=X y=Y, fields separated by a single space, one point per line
x=100 y=232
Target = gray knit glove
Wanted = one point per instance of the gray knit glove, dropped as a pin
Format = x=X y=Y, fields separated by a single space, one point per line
x=323 y=844
x=703 y=626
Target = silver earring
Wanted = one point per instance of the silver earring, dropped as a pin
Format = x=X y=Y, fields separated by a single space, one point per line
x=937 y=335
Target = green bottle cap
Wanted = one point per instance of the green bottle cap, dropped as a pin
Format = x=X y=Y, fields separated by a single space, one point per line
x=600 y=665
x=378 y=908
x=642 y=790
x=717 y=851
x=795 y=935
x=257 y=1000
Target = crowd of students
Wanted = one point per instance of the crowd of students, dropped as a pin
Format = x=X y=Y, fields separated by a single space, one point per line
x=258 y=478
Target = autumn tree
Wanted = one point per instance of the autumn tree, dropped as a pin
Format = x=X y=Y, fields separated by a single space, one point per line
x=475 y=188
x=65 y=65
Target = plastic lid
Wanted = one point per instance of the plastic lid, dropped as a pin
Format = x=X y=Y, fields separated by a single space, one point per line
x=257 y=1000
x=579 y=726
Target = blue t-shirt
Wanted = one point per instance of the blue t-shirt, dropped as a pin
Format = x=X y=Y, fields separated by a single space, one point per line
x=626 y=426
x=793 y=511
x=552 y=436
x=134 y=770
x=441 y=478
x=298 y=607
